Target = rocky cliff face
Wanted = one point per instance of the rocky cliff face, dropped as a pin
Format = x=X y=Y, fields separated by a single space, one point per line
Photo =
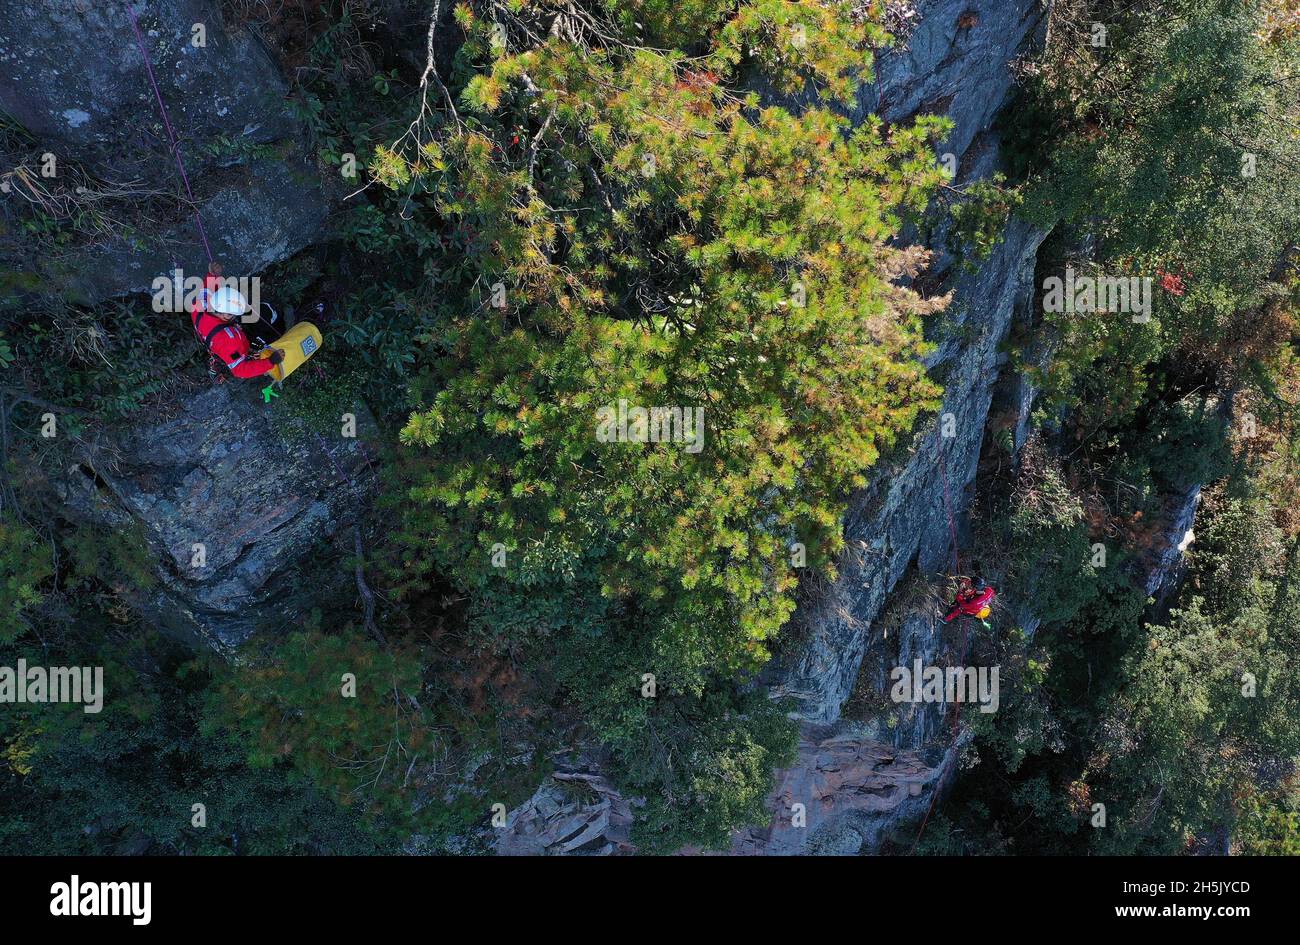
x=957 y=61
x=575 y=812
x=72 y=76
x=231 y=494
x=845 y=789
x=856 y=780
x=234 y=496
x=954 y=60
x=195 y=478
x=901 y=519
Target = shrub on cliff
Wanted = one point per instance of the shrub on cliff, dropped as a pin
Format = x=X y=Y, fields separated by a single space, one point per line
x=655 y=237
x=25 y=563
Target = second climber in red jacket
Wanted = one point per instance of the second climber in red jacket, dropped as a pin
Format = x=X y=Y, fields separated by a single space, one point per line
x=218 y=317
x=971 y=602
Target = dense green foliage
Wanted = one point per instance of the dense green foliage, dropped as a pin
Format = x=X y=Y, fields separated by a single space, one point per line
x=658 y=239
x=1172 y=152
x=1180 y=728
x=24 y=565
x=126 y=779
x=1178 y=724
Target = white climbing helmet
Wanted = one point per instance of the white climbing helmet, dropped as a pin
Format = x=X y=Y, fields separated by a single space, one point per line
x=228 y=301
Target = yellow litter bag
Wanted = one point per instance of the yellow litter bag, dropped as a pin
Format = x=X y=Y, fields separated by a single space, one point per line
x=984 y=612
x=297 y=345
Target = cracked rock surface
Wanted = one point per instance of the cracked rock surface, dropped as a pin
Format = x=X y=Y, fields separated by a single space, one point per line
x=234 y=496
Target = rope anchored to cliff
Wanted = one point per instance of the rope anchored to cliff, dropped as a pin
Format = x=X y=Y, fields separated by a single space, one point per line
x=973 y=598
x=171 y=133
x=223 y=319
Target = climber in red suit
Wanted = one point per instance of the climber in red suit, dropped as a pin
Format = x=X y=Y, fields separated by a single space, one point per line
x=217 y=317
x=970 y=602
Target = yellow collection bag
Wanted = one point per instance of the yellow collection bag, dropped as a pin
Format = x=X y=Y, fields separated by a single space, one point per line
x=984 y=612
x=297 y=345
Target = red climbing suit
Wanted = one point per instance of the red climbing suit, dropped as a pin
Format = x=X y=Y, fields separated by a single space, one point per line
x=225 y=338
x=969 y=603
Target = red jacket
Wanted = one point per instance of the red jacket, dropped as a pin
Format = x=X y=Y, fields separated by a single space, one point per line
x=970 y=603
x=230 y=344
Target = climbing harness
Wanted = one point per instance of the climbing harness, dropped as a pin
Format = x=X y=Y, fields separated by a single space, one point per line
x=970 y=602
x=296 y=345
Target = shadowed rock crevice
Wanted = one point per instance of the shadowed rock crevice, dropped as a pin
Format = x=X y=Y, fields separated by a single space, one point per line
x=230 y=496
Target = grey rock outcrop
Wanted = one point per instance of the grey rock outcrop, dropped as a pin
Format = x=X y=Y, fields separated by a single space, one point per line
x=233 y=496
x=843 y=791
x=956 y=61
x=575 y=811
x=72 y=75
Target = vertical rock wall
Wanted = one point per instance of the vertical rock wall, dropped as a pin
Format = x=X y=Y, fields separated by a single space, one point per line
x=854 y=779
x=233 y=497
x=901 y=520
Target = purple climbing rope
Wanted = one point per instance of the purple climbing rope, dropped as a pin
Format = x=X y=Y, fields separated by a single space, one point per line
x=171 y=134
x=947 y=507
